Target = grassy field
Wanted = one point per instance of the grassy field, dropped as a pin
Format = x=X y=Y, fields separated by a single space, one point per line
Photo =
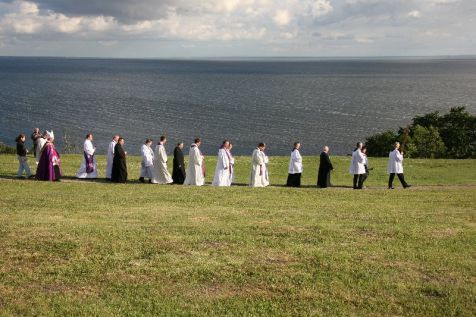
x=95 y=248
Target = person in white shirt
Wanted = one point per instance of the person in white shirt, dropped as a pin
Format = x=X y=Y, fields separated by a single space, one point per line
x=160 y=163
x=147 y=164
x=259 y=171
x=295 y=167
x=196 y=165
x=366 y=164
x=357 y=167
x=110 y=156
x=395 y=166
x=222 y=171
x=88 y=168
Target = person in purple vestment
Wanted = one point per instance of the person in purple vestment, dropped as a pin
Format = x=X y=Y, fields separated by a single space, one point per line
x=49 y=166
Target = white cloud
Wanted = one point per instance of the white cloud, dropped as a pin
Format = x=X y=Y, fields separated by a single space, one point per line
x=414 y=14
x=282 y=17
x=313 y=26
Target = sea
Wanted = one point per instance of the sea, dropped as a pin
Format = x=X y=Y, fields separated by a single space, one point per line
x=317 y=102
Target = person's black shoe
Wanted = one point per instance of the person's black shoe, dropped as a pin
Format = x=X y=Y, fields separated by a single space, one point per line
x=391 y=187
x=141 y=179
x=408 y=186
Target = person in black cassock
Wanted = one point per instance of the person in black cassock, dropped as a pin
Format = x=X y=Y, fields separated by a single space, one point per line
x=325 y=168
x=178 y=173
x=119 y=166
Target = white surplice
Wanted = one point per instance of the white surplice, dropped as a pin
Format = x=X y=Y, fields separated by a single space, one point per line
x=295 y=162
x=147 y=164
x=89 y=149
x=357 y=164
x=232 y=166
x=395 y=162
x=110 y=158
x=40 y=143
x=222 y=171
x=259 y=171
x=161 y=172
x=195 y=167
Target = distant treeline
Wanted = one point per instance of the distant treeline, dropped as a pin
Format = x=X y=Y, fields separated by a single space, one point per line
x=5 y=149
x=452 y=135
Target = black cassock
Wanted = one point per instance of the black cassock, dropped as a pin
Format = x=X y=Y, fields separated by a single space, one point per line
x=324 y=174
x=178 y=173
x=119 y=166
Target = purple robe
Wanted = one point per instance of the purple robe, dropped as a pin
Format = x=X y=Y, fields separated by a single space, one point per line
x=46 y=170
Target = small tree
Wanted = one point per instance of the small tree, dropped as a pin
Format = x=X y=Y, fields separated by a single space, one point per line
x=380 y=144
x=427 y=142
x=432 y=119
x=458 y=132
x=69 y=146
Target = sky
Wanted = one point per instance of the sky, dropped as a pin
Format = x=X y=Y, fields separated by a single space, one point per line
x=237 y=28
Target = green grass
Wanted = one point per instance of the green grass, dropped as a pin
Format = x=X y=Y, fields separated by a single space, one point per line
x=94 y=248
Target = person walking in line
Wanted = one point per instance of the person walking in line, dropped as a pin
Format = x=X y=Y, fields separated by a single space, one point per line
x=222 y=171
x=160 y=163
x=325 y=168
x=259 y=169
x=196 y=168
x=366 y=165
x=295 y=167
x=40 y=143
x=110 y=156
x=357 y=167
x=147 y=164
x=88 y=168
x=119 y=164
x=232 y=162
x=49 y=165
x=178 y=173
x=21 y=156
x=395 y=166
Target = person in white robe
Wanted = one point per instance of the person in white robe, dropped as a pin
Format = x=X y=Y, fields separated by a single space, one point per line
x=160 y=164
x=88 y=168
x=40 y=143
x=357 y=167
x=395 y=166
x=259 y=171
x=196 y=168
x=147 y=163
x=295 y=167
x=232 y=163
x=222 y=171
x=110 y=156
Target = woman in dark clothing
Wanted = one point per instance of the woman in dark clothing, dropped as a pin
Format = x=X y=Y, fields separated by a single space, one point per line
x=325 y=168
x=21 y=155
x=119 y=166
x=178 y=173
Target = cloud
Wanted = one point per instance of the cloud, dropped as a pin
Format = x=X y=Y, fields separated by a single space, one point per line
x=247 y=27
x=414 y=14
x=282 y=17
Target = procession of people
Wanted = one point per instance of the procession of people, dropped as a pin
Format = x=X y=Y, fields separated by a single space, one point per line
x=154 y=164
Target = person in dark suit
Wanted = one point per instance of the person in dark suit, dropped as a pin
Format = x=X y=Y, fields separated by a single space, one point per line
x=325 y=168
x=178 y=173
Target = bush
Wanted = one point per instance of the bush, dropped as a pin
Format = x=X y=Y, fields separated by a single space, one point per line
x=380 y=144
x=5 y=149
x=427 y=142
x=452 y=135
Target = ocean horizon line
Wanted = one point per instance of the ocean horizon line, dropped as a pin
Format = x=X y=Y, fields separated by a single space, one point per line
x=259 y=58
